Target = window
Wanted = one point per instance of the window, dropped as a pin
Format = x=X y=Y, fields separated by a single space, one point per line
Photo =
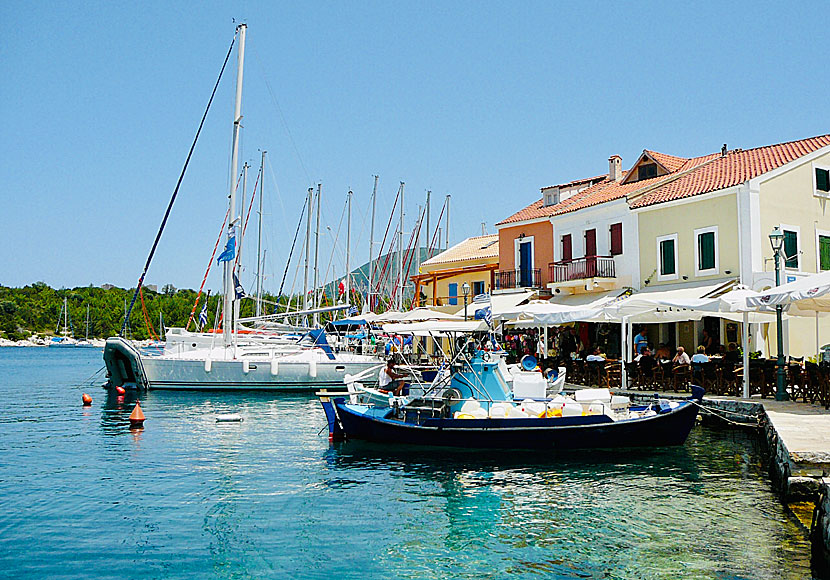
x=567 y=254
x=646 y=171
x=453 y=289
x=824 y=252
x=822 y=181
x=790 y=249
x=478 y=288
x=616 y=239
x=706 y=251
x=667 y=257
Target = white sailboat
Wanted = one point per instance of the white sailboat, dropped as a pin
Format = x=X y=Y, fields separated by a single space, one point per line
x=65 y=340
x=236 y=359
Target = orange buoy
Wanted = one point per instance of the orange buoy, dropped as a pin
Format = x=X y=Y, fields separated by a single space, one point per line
x=120 y=390
x=86 y=399
x=137 y=416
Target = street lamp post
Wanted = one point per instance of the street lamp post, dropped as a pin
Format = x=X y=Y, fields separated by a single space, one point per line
x=465 y=288
x=776 y=240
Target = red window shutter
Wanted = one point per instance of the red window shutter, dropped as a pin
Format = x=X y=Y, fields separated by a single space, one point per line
x=590 y=242
x=566 y=248
x=616 y=239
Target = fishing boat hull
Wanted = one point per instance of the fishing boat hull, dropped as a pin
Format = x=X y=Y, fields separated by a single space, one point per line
x=127 y=366
x=668 y=428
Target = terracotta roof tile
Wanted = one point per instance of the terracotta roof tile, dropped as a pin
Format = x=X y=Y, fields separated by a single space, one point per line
x=687 y=177
x=736 y=167
x=670 y=162
x=476 y=248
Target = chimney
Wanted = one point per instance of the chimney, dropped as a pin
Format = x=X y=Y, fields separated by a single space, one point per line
x=614 y=168
x=723 y=150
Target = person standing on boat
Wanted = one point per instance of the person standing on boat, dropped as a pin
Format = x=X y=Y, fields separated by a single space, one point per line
x=388 y=376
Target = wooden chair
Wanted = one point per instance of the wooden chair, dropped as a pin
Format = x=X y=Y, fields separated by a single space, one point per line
x=681 y=375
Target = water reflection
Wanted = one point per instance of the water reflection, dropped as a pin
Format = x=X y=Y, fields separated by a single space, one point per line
x=667 y=513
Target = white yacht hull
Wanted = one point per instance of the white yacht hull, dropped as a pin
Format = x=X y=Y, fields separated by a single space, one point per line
x=308 y=370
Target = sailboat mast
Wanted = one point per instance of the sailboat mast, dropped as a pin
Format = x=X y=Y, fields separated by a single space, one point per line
x=307 y=246
x=447 y=229
x=230 y=294
x=372 y=246
x=316 y=301
x=238 y=260
x=348 y=247
x=429 y=232
x=259 y=241
x=65 y=317
x=87 y=322
x=400 y=254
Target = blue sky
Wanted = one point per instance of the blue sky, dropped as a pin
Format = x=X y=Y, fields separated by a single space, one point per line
x=485 y=101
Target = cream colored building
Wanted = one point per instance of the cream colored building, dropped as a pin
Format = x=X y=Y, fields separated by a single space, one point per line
x=710 y=222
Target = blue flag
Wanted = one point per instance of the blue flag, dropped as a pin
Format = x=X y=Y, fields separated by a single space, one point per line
x=238 y=288
x=353 y=311
x=230 y=250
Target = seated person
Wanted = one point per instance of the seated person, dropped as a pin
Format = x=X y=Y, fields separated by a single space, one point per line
x=646 y=361
x=681 y=358
x=700 y=355
x=596 y=356
x=733 y=355
x=386 y=378
x=663 y=352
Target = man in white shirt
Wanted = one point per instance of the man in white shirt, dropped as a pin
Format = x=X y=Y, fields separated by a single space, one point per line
x=681 y=358
x=387 y=376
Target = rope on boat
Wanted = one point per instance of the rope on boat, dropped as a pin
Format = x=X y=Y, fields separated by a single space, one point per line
x=175 y=191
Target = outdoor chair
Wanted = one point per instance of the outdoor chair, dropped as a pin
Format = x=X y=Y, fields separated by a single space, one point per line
x=595 y=373
x=681 y=374
x=632 y=374
x=613 y=375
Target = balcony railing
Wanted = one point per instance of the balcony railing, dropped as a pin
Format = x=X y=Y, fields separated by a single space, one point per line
x=581 y=268
x=527 y=278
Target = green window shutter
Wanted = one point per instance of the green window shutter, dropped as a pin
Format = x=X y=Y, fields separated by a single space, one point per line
x=706 y=251
x=667 y=266
x=824 y=252
x=791 y=249
x=822 y=179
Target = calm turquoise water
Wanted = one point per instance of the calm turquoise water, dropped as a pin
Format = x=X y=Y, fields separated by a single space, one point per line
x=83 y=496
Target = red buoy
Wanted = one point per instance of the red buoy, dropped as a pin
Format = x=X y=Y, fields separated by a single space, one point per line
x=120 y=390
x=137 y=417
x=86 y=399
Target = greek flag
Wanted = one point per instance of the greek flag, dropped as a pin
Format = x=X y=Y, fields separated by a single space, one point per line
x=481 y=298
x=484 y=314
x=238 y=288
x=353 y=310
x=229 y=252
x=203 y=314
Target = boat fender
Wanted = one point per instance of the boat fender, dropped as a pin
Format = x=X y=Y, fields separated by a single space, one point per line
x=229 y=418
x=208 y=365
x=86 y=399
x=246 y=366
x=460 y=415
x=275 y=367
x=120 y=390
x=312 y=369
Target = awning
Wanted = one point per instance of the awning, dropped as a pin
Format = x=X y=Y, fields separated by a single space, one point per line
x=499 y=303
x=661 y=304
x=564 y=309
x=437 y=326
x=805 y=296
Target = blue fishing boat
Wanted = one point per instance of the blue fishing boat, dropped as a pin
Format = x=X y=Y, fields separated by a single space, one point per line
x=472 y=406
